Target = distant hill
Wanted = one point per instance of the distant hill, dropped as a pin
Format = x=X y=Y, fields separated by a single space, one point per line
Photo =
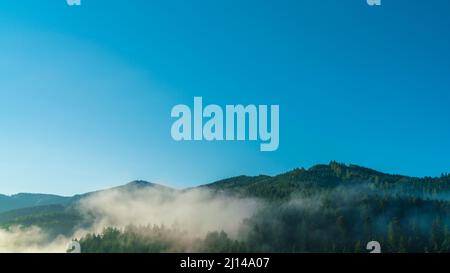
x=56 y=214
x=129 y=187
x=29 y=200
x=24 y=200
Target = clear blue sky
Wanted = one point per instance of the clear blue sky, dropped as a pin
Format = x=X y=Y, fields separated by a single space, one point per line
x=86 y=92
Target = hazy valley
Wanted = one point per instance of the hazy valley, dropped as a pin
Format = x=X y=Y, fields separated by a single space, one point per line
x=327 y=208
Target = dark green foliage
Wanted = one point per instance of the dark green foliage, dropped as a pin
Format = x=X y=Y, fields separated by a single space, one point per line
x=156 y=239
x=399 y=224
x=327 y=208
x=331 y=208
x=324 y=177
x=55 y=219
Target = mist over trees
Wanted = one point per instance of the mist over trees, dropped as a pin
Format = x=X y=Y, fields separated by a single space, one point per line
x=328 y=208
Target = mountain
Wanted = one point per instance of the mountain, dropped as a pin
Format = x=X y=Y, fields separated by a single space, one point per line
x=326 y=208
x=57 y=214
x=129 y=187
x=329 y=176
x=316 y=178
x=29 y=200
x=24 y=200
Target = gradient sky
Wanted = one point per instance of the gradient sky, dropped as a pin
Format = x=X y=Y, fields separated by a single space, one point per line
x=86 y=92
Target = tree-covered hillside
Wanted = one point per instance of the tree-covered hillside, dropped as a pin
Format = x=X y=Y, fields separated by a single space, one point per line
x=321 y=178
x=24 y=200
x=327 y=208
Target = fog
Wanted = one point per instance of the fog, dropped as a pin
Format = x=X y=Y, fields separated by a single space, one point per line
x=195 y=212
x=191 y=214
x=30 y=240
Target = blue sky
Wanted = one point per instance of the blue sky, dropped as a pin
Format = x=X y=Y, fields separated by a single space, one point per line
x=86 y=92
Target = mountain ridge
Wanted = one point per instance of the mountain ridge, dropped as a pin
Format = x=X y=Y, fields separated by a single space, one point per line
x=334 y=179
x=324 y=175
x=29 y=200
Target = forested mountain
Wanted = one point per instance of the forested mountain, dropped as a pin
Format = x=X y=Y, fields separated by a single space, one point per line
x=325 y=177
x=327 y=208
x=59 y=215
x=24 y=200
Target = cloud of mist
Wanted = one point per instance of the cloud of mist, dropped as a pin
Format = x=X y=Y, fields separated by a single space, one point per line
x=30 y=240
x=196 y=211
x=191 y=214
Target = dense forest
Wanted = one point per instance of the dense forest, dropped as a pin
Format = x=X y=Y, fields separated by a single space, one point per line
x=328 y=208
